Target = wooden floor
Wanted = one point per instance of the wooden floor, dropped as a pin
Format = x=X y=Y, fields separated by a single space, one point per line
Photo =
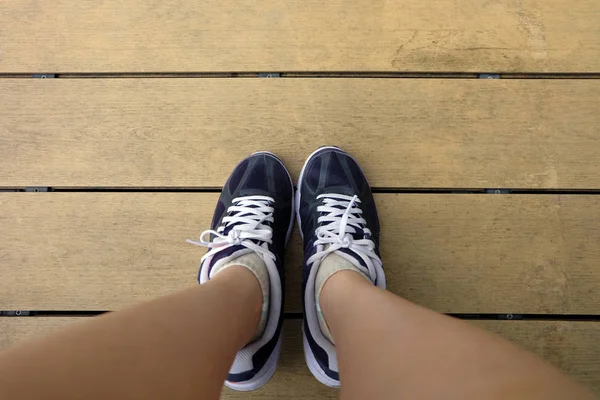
x=488 y=189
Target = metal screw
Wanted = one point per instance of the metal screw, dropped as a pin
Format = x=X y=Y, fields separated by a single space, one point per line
x=43 y=76
x=18 y=313
x=509 y=316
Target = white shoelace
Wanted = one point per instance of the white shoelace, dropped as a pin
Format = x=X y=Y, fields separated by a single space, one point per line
x=249 y=214
x=336 y=233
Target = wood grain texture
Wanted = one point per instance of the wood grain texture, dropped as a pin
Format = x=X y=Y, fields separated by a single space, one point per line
x=453 y=253
x=571 y=346
x=215 y=35
x=405 y=133
x=18 y=330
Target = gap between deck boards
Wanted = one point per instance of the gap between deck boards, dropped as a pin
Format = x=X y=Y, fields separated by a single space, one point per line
x=394 y=190
x=297 y=315
x=306 y=74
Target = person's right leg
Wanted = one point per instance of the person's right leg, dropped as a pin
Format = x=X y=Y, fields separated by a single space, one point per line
x=387 y=346
x=390 y=348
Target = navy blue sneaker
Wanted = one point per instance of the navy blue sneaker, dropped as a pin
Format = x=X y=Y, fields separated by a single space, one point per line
x=254 y=214
x=336 y=214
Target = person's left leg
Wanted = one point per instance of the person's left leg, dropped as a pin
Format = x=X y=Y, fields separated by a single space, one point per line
x=178 y=347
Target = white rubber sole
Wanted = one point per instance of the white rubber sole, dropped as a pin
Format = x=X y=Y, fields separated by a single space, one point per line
x=268 y=370
x=311 y=361
x=314 y=366
x=263 y=376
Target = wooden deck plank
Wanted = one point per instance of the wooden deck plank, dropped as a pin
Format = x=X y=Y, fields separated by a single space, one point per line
x=453 y=253
x=392 y=35
x=571 y=346
x=192 y=132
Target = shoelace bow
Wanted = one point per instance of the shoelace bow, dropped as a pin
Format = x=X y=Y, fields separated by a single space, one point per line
x=341 y=218
x=247 y=218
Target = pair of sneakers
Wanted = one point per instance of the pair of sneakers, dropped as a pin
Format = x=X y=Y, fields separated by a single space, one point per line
x=251 y=226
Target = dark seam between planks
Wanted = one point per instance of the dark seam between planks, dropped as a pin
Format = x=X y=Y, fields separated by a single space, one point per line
x=305 y=74
x=298 y=315
x=390 y=190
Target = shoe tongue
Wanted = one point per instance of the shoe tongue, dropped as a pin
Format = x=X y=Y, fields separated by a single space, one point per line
x=356 y=259
x=346 y=192
x=229 y=227
x=359 y=233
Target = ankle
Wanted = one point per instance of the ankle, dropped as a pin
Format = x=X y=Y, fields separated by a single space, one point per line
x=331 y=265
x=255 y=267
x=340 y=289
x=335 y=303
x=343 y=278
x=243 y=280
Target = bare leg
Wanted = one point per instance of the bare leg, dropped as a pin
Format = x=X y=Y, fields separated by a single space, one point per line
x=177 y=347
x=389 y=348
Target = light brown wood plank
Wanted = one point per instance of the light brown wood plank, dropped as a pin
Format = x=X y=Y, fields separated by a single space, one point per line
x=18 y=330
x=405 y=133
x=453 y=253
x=571 y=346
x=392 y=35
